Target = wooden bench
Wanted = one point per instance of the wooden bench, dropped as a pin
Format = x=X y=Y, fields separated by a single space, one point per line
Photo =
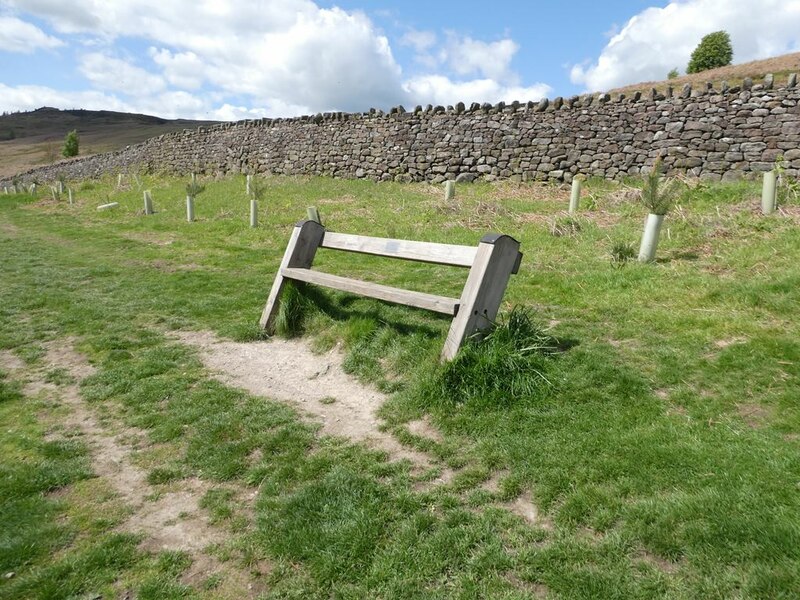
x=490 y=266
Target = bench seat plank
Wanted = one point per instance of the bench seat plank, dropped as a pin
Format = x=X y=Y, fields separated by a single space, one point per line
x=429 y=252
x=440 y=304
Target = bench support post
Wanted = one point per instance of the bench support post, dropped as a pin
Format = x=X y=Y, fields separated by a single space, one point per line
x=306 y=238
x=497 y=258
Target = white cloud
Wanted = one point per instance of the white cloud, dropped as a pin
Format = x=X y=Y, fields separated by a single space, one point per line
x=19 y=36
x=182 y=69
x=467 y=56
x=114 y=74
x=438 y=89
x=660 y=39
x=267 y=58
x=289 y=50
x=421 y=41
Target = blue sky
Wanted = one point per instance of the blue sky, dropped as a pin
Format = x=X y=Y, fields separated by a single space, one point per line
x=232 y=59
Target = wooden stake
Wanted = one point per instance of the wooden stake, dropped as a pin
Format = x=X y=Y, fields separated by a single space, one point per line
x=189 y=209
x=60 y=187
x=769 y=193
x=575 y=198
x=69 y=194
x=498 y=256
x=247 y=185
x=306 y=238
x=119 y=181
x=148 y=203
x=313 y=214
x=107 y=206
x=253 y=213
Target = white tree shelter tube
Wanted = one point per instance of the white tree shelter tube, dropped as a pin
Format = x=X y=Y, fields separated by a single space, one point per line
x=652 y=231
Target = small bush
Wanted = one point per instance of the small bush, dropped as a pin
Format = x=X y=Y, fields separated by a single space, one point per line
x=673 y=74
x=71 y=144
x=509 y=363
x=715 y=50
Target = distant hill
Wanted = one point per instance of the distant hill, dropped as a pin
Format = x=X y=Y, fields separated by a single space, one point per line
x=780 y=66
x=28 y=139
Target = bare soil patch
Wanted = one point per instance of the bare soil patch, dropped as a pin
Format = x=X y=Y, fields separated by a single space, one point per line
x=524 y=507
x=10 y=362
x=149 y=237
x=424 y=429
x=755 y=415
x=287 y=370
x=662 y=564
x=730 y=342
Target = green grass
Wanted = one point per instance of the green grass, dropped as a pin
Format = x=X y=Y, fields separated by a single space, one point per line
x=650 y=411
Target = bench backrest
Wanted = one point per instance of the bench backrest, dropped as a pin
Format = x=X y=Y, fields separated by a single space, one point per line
x=491 y=264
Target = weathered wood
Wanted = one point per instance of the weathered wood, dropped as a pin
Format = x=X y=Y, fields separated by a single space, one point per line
x=491 y=264
x=300 y=252
x=247 y=185
x=496 y=259
x=107 y=206
x=429 y=252
x=69 y=195
x=440 y=304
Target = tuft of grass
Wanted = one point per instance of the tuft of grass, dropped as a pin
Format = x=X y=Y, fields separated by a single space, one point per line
x=161 y=475
x=507 y=364
x=293 y=310
x=621 y=253
x=565 y=226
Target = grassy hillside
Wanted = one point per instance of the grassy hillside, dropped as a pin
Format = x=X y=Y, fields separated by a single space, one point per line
x=779 y=66
x=653 y=451
x=32 y=138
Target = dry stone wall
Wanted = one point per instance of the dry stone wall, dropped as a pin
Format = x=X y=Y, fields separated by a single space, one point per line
x=710 y=133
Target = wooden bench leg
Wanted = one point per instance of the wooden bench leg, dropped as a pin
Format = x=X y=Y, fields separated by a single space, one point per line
x=306 y=238
x=497 y=258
